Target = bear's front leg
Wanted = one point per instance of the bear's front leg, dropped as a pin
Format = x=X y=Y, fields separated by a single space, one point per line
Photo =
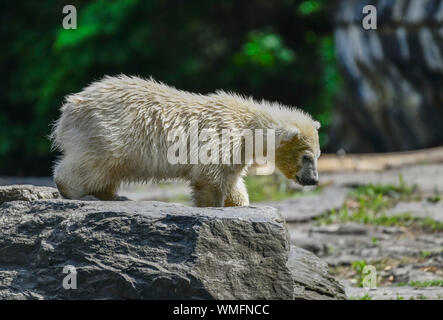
x=237 y=195
x=205 y=194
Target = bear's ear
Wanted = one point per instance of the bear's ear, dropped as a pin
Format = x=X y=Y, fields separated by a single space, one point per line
x=286 y=134
x=317 y=125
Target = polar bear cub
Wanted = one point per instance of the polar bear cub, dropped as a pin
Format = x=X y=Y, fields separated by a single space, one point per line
x=122 y=129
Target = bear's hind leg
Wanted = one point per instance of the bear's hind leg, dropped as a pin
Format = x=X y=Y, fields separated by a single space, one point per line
x=108 y=193
x=77 y=177
x=205 y=194
x=67 y=181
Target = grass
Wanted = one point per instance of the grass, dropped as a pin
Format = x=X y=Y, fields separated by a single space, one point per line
x=422 y=284
x=355 y=271
x=379 y=218
x=402 y=191
x=436 y=197
x=420 y=297
x=429 y=223
x=431 y=252
x=364 y=297
x=358 y=267
x=368 y=204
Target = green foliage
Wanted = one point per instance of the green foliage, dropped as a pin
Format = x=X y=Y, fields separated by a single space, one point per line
x=358 y=267
x=264 y=49
x=281 y=50
x=419 y=297
x=431 y=252
x=366 y=296
x=101 y=17
x=425 y=284
x=380 y=193
x=309 y=7
x=436 y=197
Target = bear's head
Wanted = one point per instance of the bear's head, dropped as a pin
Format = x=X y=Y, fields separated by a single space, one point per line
x=297 y=153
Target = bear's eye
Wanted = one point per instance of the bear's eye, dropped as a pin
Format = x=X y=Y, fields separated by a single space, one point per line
x=306 y=158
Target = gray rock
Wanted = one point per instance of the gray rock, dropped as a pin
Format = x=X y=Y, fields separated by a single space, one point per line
x=436 y=239
x=424 y=176
x=305 y=241
x=396 y=293
x=308 y=207
x=345 y=259
x=391 y=230
x=152 y=250
x=308 y=284
x=401 y=274
x=423 y=209
x=346 y=228
x=415 y=274
x=26 y=193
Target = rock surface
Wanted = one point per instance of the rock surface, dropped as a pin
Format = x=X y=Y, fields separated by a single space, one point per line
x=27 y=193
x=153 y=250
x=308 y=207
x=396 y=293
x=423 y=209
x=399 y=255
x=341 y=229
x=311 y=278
x=426 y=177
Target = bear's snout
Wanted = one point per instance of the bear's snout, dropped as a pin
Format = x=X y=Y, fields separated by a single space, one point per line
x=310 y=179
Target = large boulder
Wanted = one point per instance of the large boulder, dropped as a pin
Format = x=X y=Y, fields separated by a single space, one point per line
x=153 y=250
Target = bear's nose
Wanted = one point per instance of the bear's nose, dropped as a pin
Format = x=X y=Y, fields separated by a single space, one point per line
x=312 y=181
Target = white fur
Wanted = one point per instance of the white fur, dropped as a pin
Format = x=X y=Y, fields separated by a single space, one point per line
x=116 y=130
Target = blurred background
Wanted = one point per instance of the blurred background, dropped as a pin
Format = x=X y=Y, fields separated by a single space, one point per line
x=377 y=93
x=373 y=91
